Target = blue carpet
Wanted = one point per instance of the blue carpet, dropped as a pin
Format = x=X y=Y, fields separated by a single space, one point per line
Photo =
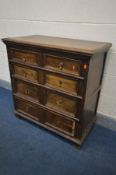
x=26 y=149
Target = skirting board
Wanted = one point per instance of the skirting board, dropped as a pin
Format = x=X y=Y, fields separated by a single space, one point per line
x=106 y=121
x=102 y=120
x=5 y=84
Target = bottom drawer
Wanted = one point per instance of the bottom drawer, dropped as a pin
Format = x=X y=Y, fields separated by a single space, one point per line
x=30 y=109
x=60 y=123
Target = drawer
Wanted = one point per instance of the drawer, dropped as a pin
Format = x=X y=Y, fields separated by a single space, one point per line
x=60 y=123
x=60 y=103
x=25 y=56
x=61 y=83
x=26 y=73
x=62 y=64
x=29 y=108
x=26 y=89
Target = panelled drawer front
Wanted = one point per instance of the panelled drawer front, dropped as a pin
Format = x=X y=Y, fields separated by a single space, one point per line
x=27 y=89
x=25 y=56
x=62 y=65
x=61 y=103
x=26 y=73
x=29 y=108
x=60 y=123
x=64 y=84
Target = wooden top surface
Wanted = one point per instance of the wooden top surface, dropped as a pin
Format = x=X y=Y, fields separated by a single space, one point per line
x=74 y=45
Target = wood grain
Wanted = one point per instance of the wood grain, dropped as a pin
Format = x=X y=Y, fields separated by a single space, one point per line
x=56 y=82
x=74 y=45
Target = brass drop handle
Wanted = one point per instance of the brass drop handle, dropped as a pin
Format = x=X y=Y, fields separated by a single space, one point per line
x=61 y=65
x=24 y=59
x=27 y=92
x=59 y=103
x=60 y=83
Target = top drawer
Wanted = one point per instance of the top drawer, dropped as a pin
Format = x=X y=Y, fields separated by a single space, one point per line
x=62 y=65
x=25 y=56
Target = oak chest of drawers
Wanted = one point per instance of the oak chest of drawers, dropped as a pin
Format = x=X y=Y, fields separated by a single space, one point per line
x=56 y=82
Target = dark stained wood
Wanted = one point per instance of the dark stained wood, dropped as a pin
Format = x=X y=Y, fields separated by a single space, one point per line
x=75 y=45
x=62 y=65
x=25 y=73
x=25 y=89
x=25 y=56
x=61 y=103
x=56 y=82
x=27 y=108
x=61 y=83
x=60 y=123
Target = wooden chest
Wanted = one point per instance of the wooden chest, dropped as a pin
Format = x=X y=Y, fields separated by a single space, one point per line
x=56 y=82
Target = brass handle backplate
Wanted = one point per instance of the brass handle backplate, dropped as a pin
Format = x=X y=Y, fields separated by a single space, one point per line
x=61 y=65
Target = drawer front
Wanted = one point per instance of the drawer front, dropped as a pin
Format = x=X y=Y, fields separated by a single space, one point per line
x=29 y=108
x=60 y=123
x=62 y=65
x=61 y=103
x=27 y=90
x=26 y=73
x=61 y=83
x=25 y=56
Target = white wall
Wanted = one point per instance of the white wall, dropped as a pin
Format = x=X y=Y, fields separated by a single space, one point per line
x=83 y=19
